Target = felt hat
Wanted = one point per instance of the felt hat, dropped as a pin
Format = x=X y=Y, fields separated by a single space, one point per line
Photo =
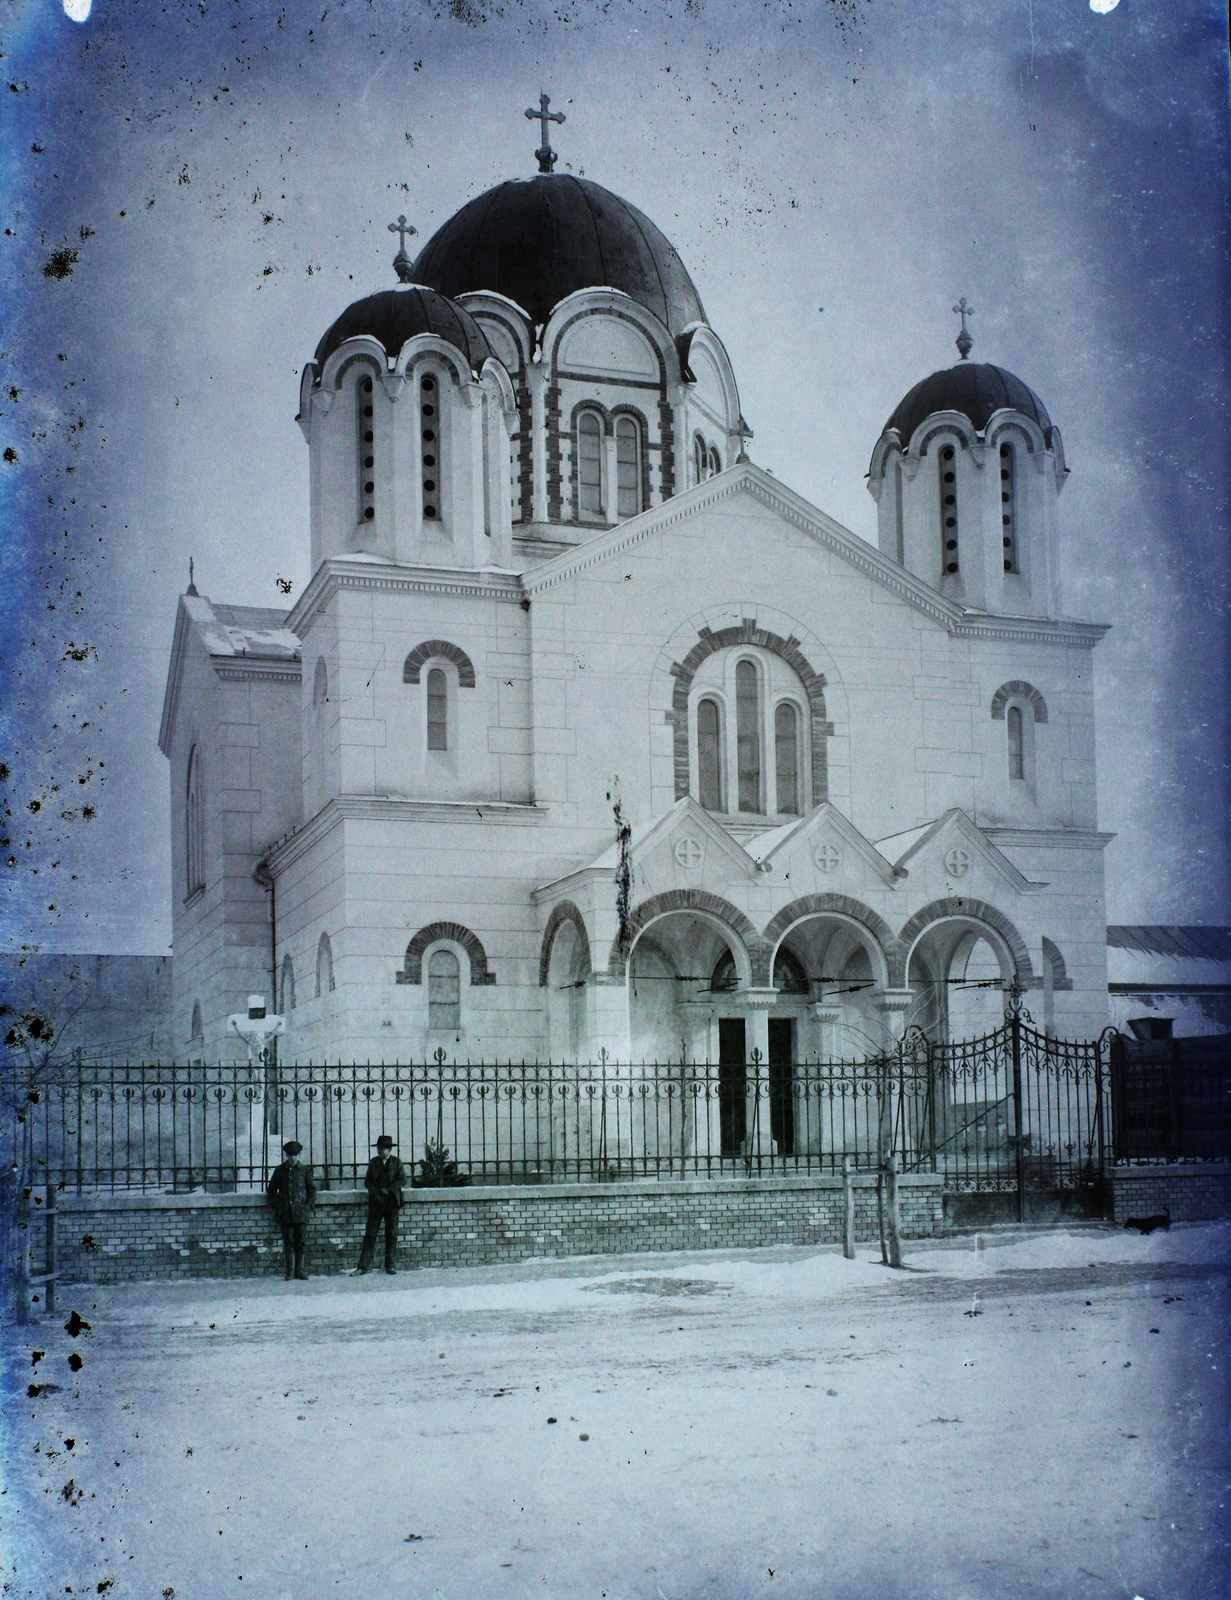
x=384 y=1142
x=292 y=1147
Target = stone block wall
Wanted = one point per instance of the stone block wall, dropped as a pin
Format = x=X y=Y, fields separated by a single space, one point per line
x=143 y=1238
x=1198 y=1193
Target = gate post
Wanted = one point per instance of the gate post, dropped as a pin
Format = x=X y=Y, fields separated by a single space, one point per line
x=1015 y=1031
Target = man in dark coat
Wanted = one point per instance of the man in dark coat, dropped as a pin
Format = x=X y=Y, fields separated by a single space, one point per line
x=292 y=1194
x=385 y=1180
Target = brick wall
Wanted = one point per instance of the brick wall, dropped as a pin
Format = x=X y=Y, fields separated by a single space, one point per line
x=138 y=1238
x=1191 y=1194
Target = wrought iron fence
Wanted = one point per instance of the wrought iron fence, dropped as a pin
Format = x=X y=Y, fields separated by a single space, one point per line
x=1014 y=1109
x=1171 y=1098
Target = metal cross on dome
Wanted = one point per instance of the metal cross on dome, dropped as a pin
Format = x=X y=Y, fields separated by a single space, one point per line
x=547 y=156
x=402 y=264
x=963 y=341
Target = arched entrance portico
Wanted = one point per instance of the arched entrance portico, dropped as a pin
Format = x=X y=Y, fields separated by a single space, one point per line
x=960 y=956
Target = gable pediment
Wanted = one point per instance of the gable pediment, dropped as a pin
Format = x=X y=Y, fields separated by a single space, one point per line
x=950 y=856
x=823 y=853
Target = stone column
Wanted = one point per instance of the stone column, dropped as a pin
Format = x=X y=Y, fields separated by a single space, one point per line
x=828 y=1014
x=894 y=1006
x=610 y=1018
x=537 y=378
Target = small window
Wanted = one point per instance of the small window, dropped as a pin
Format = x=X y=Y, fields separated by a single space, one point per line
x=429 y=459
x=288 y=984
x=194 y=825
x=320 y=683
x=437 y=710
x=947 y=465
x=700 y=458
x=198 y=1027
x=786 y=758
x=748 y=736
x=715 y=462
x=324 y=966
x=628 y=467
x=365 y=448
x=1017 y=743
x=1008 y=506
x=589 y=465
x=444 y=991
x=709 y=755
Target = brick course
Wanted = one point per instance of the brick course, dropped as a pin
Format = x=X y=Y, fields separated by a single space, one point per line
x=140 y=1238
x=1191 y=1194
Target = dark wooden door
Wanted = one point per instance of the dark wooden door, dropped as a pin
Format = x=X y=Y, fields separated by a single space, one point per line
x=732 y=1086
x=781 y=1084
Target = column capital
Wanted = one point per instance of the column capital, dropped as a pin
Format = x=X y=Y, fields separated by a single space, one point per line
x=757 y=999
x=893 y=1002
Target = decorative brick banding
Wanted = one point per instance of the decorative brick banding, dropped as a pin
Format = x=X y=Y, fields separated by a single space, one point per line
x=815 y=905
x=1018 y=690
x=694 y=900
x=432 y=649
x=970 y=911
x=566 y=911
x=412 y=967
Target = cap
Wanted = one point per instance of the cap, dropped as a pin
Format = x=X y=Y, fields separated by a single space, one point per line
x=292 y=1147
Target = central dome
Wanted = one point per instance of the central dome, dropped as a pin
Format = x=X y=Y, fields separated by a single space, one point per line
x=537 y=240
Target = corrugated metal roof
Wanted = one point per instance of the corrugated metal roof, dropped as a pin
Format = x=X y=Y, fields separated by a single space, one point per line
x=1204 y=943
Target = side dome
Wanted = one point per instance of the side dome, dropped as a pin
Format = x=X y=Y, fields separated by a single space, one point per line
x=537 y=240
x=974 y=389
x=392 y=316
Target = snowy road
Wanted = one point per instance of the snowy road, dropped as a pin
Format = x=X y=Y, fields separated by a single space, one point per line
x=727 y=1425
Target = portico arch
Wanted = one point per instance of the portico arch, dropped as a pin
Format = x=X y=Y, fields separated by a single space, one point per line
x=960 y=956
x=747 y=946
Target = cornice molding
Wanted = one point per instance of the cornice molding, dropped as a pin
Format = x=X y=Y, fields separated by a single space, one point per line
x=1048 y=838
x=380 y=808
x=230 y=668
x=334 y=575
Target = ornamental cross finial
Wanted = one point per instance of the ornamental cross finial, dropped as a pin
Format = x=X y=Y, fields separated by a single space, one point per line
x=547 y=156
x=402 y=263
x=192 y=577
x=963 y=341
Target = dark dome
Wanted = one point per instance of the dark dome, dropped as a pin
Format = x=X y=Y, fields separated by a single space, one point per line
x=395 y=315
x=972 y=388
x=536 y=240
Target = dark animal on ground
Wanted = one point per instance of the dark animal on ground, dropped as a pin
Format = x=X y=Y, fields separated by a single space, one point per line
x=1148 y=1224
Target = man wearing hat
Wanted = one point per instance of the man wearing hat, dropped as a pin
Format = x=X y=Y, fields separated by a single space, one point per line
x=292 y=1194
x=384 y=1182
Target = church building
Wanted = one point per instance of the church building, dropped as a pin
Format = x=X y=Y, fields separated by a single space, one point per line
x=590 y=734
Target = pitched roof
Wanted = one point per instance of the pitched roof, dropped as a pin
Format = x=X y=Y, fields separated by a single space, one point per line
x=1185 y=941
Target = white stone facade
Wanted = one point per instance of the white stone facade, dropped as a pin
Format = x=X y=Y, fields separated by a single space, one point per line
x=415 y=769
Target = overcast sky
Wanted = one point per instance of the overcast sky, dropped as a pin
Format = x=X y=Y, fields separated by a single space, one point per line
x=194 y=192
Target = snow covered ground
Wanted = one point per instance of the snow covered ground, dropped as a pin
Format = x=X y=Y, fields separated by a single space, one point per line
x=726 y=1425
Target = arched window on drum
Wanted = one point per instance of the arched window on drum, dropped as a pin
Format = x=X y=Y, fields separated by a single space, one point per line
x=589 y=466
x=628 y=467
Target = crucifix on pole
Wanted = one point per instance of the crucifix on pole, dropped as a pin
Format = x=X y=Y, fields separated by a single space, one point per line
x=547 y=156
x=402 y=263
x=963 y=341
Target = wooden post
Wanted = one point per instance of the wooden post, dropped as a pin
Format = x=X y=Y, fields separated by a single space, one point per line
x=894 y=1222
x=848 y=1210
x=49 y=1287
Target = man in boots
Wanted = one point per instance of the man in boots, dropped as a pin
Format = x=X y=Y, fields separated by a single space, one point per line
x=384 y=1182
x=292 y=1194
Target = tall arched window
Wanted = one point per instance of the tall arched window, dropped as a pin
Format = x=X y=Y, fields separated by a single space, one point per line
x=1008 y=505
x=324 y=966
x=715 y=461
x=700 y=458
x=320 y=683
x=589 y=465
x=628 y=467
x=197 y=1032
x=366 y=451
x=709 y=755
x=444 y=991
x=288 y=984
x=437 y=710
x=786 y=758
x=947 y=474
x=748 y=736
x=194 y=826
x=430 y=461
x=1017 y=743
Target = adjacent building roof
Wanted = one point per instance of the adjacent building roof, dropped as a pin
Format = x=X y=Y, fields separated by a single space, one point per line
x=537 y=240
x=1188 y=941
x=974 y=389
x=392 y=316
